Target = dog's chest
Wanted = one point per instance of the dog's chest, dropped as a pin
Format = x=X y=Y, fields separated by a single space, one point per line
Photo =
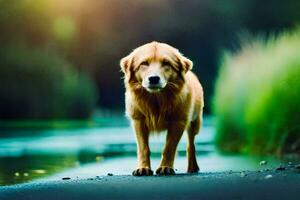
x=158 y=115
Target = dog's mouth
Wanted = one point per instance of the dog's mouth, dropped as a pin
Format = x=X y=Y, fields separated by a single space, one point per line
x=154 y=88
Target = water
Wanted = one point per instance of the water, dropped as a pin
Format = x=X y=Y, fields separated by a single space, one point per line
x=32 y=155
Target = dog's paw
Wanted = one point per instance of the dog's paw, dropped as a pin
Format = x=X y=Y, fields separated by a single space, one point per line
x=164 y=170
x=193 y=170
x=142 y=172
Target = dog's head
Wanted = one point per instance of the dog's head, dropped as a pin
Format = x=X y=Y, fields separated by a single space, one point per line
x=155 y=66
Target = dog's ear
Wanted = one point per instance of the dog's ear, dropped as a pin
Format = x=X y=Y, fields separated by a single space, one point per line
x=125 y=63
x=185 y=63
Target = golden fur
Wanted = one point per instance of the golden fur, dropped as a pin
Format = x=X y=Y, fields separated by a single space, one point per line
x=175 y=105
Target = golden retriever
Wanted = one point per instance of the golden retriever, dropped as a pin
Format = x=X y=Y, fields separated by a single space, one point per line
x=162 y=94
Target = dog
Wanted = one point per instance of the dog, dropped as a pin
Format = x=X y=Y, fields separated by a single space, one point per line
x=162 y=94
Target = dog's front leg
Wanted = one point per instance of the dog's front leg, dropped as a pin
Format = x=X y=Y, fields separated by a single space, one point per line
x=175 y=131
x=143 y=150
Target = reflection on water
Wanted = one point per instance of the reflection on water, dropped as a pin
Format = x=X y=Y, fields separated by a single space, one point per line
x=23 y=168
x=89 y=152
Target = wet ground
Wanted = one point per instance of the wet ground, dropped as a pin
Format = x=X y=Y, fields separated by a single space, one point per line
x=274 y=183
x=33 y=155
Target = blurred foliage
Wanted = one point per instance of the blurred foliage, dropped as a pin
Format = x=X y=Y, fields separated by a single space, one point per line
x=37 y=85
x=94 y=35
x=257 y=96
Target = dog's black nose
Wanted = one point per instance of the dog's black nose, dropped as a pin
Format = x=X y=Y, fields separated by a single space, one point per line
x=154 y=80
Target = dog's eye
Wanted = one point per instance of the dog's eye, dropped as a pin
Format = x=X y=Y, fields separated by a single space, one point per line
x=166 y=63
x=145 y=63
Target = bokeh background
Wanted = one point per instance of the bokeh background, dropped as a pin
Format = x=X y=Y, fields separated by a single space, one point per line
x=59 y=69
x=92 y=36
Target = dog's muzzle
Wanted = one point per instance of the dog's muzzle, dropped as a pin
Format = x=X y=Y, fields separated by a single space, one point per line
x=154 y=84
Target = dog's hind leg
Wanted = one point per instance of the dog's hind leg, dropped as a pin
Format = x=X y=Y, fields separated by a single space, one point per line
x=192 y=131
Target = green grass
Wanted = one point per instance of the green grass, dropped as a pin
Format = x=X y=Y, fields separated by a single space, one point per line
x=257 y=96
